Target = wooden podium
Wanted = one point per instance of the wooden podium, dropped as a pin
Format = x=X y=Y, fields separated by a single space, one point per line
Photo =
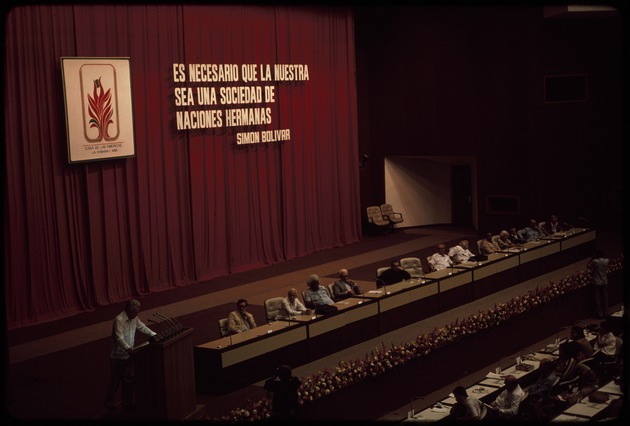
x=165 y=379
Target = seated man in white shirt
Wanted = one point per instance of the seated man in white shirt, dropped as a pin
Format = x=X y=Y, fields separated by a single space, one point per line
x=440 y=260
x=461 y=252
x=505 y=406
x=291 y=306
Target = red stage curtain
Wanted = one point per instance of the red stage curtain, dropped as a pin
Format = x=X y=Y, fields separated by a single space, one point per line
x=192 y=205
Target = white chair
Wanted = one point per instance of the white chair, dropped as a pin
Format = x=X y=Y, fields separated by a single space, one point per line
x=331 y=291
x=379 y=272
x=223 y=327
x=272 y=306
x=388 y=213
x=375 y=217
x=430 y=264
x=412 y=265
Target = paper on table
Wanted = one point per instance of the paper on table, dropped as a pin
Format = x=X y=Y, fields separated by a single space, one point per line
x=375 y=292
x=492 y=375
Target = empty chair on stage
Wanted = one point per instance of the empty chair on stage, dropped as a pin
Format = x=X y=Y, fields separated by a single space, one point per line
x=412 y=265
x=389 y=214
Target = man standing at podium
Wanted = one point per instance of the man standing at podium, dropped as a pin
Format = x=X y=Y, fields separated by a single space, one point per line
x=124 y=329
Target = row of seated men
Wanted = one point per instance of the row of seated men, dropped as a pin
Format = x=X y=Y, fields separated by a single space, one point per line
x=320 y=299
x=443 y=258
x=317 y=298
x=582 y=366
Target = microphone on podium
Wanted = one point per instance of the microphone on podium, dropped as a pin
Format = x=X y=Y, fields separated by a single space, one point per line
x=161 y=335
x=167 y=329
x=173 y=326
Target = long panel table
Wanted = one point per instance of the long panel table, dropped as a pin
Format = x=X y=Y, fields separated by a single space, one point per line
x=404 y=303
x=488 y=388
x=454 y=287
x=500 y=271
x=238 y=360
x=355 y=322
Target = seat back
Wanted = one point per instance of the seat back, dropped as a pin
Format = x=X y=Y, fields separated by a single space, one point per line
x=307 y=304
x=520 y=411
x=379 y=271
x=618 y=346
x=483 y=413
x=223 y=327
x=272 y=306
x=429 y=263
x=495 y=238
x=375 y=216
x=551 y=389
x=412 y=265
x=479 y=245
x=388 y=213
x=331 y=291
x=328 y=290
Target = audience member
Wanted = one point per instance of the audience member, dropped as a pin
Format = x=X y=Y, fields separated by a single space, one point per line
x=240 y=320
x=538 y=392
x=546 y=379
x=291 y=306
x=605 y=344
x=461 y=252
x=553 y=225
x=504 y=242
x=505 y=406
x=614 y=412
x=393 y=275
x=473 y=408
x=586 y=349
x=531 y=232
x=316 y=297
x=564 y=397
x=598 y=267
x=488 y=246
x=566 y=364
x=440 y=260
x=586 y=384
x=515 y=237
x=284 y=387
x=121 y=371
x=345 y=287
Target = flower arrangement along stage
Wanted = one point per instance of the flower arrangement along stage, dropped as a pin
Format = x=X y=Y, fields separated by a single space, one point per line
x=381 y=360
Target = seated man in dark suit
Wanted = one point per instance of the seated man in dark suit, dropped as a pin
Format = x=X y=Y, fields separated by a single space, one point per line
x=345 y=287
x=553 y=225
x=393 y=275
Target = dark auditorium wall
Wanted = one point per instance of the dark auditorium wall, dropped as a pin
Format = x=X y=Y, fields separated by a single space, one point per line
x=468 y=81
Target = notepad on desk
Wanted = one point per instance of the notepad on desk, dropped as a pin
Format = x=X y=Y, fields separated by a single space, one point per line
x=375 y=291
x=492 y=375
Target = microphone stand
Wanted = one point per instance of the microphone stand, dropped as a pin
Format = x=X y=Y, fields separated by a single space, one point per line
x=411 y=413
x=459 y=380
x=161 y=335
x=168 y=326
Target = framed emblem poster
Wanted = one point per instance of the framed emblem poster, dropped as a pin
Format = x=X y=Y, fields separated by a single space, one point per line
x=99 y=113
